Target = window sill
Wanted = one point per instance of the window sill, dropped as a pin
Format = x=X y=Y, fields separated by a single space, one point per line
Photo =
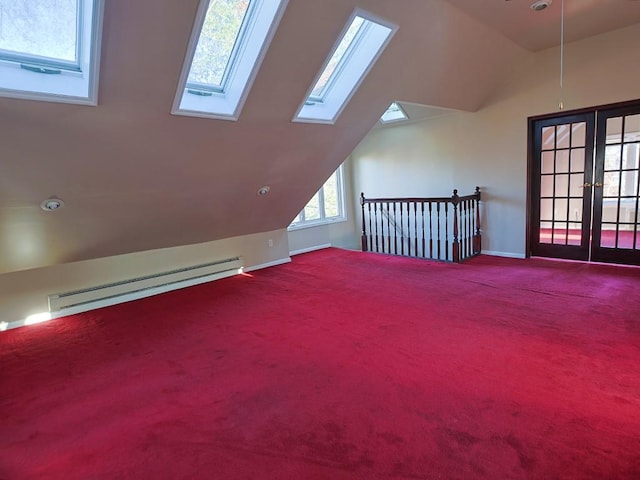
x=316 y=223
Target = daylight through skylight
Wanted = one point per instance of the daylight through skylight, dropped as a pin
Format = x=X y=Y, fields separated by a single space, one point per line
x=360 y=45
x=394 y=113
x=44 y=28
x=338 y=56
x=49 y=49
x=221 y=31
x=227 y=44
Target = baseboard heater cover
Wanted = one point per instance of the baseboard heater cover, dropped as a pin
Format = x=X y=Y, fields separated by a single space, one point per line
x=140 y=287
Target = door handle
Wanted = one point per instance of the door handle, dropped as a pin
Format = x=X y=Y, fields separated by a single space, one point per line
x=597 y=185
x=586 y=185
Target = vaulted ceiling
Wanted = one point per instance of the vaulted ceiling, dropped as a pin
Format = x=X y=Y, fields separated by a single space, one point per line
x=541 y=29
x=134 y=177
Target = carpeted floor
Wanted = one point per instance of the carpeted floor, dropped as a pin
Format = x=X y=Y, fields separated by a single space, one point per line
x=341 y=365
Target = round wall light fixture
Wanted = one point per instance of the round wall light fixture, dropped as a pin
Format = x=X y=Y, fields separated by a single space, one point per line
x=540 y=5
x=262 y=191
x=52 y=204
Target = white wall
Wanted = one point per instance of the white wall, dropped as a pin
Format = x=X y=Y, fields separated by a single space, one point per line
x=338 y=234
x=25 y=292
x=488 y=148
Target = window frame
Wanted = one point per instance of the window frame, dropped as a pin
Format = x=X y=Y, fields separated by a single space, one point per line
x=403 y=118
x=299 y=222
x=250 y=47
x=35 y=77
x=357 y=62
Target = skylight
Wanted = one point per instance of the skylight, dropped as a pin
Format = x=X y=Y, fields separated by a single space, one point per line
x=220 y=33
x=394 y=113
x=346 y=44
x=49 y=49
x=228 y=42
x=360 y=45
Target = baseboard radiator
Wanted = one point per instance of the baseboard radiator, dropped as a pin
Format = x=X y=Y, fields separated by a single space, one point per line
x=140 y=287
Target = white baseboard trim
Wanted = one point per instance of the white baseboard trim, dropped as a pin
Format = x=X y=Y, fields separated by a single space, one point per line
x=310 y=249
x=503 y=254
x=268 y=264
x=107 y=302
x=128 y=297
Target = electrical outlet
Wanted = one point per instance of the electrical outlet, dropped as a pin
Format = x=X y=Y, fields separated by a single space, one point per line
x=270 y=242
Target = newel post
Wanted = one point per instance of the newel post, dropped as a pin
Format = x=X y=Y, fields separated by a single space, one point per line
x=455 y=199
x=477 y=237
x=364 y=228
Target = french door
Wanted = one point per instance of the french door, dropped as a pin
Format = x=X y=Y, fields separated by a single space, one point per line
x=584 y=185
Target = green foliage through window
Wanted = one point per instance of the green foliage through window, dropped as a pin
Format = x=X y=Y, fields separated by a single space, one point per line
x=221 y=33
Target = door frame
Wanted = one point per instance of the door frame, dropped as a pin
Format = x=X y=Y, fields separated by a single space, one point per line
x=599 y=253
x=555 y=250
x=531 y=159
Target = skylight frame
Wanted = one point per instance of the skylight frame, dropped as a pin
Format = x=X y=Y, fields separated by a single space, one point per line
x=36 y=77
x=341 y=89
x=250 y=47
x=403 y=118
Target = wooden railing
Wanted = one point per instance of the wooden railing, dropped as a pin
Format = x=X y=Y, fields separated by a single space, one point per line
x=439 y=228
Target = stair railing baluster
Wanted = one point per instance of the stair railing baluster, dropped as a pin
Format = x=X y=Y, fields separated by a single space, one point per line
x=438 y=228
x=401 y=229
x=456 y=246
x=395 y=231
x=388 y=228
x=415 y=228
x=375 y=224
x=370 y=237
x=477 y=238
x=422 y=228
x=470 y=228
x=430 y=229
x=463 y=229
x=382 y=216
x=363 y=237
x=389 y=215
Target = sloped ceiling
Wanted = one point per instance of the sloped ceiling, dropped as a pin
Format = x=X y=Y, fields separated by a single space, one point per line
x=136 y=178
x=539 y=30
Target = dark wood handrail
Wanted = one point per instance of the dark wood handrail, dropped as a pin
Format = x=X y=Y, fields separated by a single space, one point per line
x=407 y=199
x=416 y=225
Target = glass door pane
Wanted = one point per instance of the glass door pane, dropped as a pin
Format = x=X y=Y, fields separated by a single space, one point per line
x=562 y=179
x=619 y=226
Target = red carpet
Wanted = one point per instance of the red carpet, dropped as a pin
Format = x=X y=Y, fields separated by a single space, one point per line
x=341 y=365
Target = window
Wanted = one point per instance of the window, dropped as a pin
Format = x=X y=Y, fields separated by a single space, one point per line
x=360 y=45
x=228 y=42
x=49 y=49
x=326 y=206
x=394 y=113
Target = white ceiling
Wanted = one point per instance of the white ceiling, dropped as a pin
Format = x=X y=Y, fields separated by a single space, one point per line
x=136 y=178
x=538 y=30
